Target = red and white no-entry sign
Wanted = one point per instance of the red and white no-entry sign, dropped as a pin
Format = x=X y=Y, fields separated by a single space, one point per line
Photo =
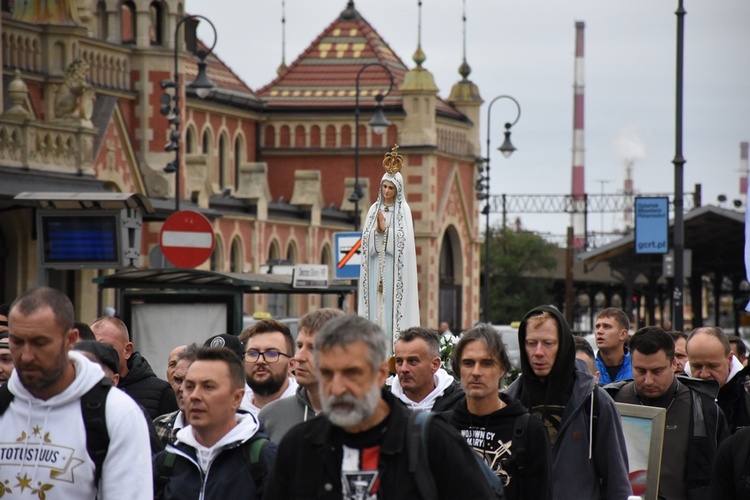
x=186 y=239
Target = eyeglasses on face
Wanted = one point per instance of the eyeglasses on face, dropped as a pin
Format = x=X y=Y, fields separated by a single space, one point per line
x=270 y=356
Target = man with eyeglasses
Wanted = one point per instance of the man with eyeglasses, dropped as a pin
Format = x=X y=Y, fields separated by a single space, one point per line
x=280 y=416
x=269 y=360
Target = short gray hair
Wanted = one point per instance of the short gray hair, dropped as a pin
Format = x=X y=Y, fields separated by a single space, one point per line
x=349 y=329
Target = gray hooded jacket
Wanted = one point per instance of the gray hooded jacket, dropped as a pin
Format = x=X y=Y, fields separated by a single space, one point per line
x=582 y=468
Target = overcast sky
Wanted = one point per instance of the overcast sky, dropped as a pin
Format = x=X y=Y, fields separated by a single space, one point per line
x=526 y=49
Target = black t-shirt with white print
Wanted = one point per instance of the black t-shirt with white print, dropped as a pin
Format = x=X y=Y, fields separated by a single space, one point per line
x=492 y=437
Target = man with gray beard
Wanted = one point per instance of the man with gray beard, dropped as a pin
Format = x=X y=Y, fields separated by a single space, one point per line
x=358 y=448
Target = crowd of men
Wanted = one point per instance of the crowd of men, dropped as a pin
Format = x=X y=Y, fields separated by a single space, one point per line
x=332 y=414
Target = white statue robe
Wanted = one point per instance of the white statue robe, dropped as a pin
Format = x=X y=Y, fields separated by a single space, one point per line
x=396 y=308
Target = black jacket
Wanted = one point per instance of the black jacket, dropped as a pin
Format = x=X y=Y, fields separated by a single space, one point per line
x=730 y=479
x=308 y=463
x=733 y=400
x=149 y=391
x=450 y=398
x=708 y=428
x=228 y=477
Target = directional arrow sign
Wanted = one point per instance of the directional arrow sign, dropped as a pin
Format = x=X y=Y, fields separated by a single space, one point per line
x=186 y=239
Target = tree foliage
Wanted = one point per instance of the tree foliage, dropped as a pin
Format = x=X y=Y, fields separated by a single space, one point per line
x=520 y=263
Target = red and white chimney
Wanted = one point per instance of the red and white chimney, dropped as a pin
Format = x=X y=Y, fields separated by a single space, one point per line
x=578 y=220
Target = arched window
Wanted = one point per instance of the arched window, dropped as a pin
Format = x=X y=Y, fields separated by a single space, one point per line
x=314 y=136
x=156 y=30
x=330 y=136
x=449 y=307
x=217 y=257
x=277 y=302
x=346 y=136
x=236 y=260
x=273 y=251
x=299 y=136
x=102 y=21
x=239 y=156
x=190 y=140
x=206 y=143
x=223 y=163
x=128 y=26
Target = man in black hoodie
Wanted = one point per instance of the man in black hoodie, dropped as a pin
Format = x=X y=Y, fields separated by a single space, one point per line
x=137 y=378
x=488 y=419
x=589 y=457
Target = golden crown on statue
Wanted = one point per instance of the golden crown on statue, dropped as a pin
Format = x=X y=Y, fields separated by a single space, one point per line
x=393 y=161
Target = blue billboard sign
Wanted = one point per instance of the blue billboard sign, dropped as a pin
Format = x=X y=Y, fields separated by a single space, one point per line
x=651 y=225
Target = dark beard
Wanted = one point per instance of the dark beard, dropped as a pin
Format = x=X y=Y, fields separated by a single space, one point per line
x=266 y=387
x=45 y=380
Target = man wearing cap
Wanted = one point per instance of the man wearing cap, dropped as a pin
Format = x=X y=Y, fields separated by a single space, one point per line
x=269 y=359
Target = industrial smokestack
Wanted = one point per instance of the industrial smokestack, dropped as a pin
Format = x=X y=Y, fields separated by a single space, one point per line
x=578 y=185
x=743 y=168
x=629 y=149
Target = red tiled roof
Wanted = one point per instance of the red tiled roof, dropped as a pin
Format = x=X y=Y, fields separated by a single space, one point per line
x=325 y=74
x=219 y=73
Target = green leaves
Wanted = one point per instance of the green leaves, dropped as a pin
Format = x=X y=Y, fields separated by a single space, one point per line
x=521 y=266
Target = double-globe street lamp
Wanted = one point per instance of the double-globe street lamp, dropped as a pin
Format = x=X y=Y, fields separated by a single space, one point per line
x=483 y=193
x=379 y=124
x=170 y=103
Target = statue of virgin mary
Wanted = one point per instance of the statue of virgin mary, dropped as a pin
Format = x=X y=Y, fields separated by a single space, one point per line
x=388 y=287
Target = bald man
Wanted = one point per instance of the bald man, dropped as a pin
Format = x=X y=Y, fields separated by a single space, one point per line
x=710 y=358
x=137 y=378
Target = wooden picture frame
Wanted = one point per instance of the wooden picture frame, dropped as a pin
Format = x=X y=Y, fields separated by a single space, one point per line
x=643 y=427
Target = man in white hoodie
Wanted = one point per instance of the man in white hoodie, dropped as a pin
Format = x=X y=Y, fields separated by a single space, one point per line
x=216 y=455
x=42 y=436
x=710 y=358
x=420 y=382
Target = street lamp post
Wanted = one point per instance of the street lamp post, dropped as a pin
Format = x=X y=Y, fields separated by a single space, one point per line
x=379 y=124
x=483 y=193
x=679 y=164
x=170 y=104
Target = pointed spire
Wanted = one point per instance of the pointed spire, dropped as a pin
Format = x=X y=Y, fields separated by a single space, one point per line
x=419 y=56
x=465 y=94
x=282 y=66
x=464 y=70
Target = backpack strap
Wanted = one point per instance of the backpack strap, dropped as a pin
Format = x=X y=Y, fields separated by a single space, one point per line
x=5 y=398
x=93 y=405
x=519 y=441
x=416 y=444
x=163 y=468
x=255 y=447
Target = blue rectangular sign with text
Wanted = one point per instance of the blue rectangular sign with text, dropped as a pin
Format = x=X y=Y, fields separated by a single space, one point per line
x=651 y=225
